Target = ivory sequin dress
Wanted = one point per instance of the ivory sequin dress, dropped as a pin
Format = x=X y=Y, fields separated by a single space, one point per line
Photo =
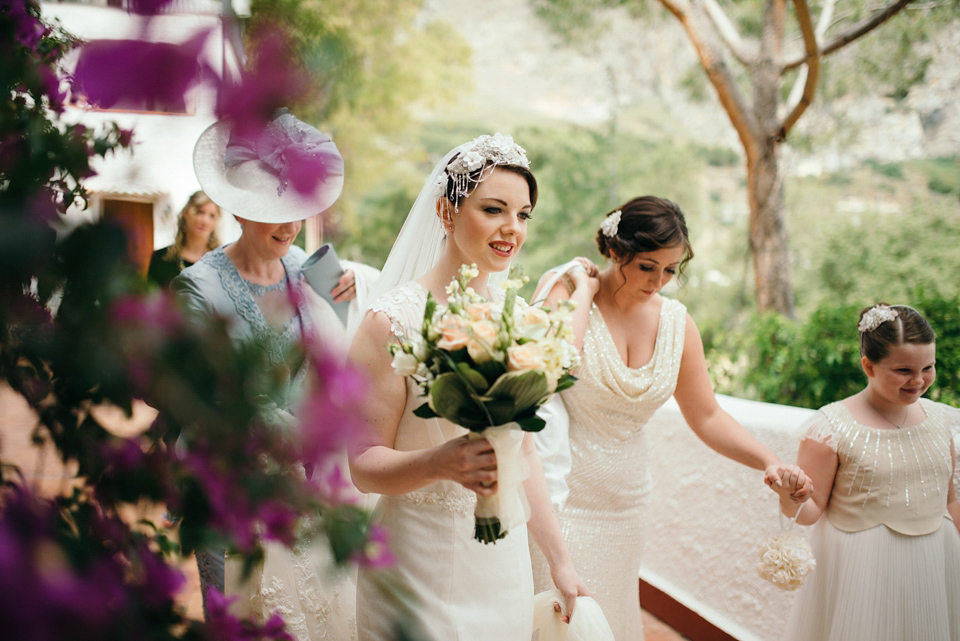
x=888 y=555
x=602 y=519
x=466 y=590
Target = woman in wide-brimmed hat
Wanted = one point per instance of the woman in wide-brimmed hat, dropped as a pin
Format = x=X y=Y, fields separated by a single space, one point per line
x=270 y=182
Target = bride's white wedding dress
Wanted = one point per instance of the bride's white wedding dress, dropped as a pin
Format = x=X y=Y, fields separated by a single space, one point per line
x=463 y=590
x=602 y=518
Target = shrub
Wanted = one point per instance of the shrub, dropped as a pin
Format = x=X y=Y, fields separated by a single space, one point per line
x=818 y=362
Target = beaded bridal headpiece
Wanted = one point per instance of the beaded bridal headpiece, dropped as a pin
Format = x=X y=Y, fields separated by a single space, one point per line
x=482 y=154
x=875 y=317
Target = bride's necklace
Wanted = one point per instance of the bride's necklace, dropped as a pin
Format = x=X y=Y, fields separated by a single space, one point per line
x=899 y=425
x=262 y=290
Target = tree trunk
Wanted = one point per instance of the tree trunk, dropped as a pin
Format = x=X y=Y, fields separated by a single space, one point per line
x=769 y=240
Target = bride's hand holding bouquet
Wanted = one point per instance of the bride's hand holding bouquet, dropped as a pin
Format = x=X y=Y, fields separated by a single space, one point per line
x=487 y=367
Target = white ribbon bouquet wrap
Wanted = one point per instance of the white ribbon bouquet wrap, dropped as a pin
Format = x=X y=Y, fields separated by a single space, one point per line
x=488 y=366
x=786 y=558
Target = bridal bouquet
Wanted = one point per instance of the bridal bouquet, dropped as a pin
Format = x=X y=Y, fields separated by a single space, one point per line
x=488 y=367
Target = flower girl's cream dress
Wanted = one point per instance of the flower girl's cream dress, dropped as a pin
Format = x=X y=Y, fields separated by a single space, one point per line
x=888 y=555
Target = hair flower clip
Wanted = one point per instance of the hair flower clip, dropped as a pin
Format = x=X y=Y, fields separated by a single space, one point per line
x=875 y=317
x=611 y=224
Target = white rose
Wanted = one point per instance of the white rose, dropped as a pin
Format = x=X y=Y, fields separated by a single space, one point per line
x=404 y=364
x=532 y=322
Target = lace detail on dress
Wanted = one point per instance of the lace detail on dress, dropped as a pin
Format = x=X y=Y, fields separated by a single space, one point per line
x=450 y=502
x=299 y=585
x=397 y=304
x=275 y=344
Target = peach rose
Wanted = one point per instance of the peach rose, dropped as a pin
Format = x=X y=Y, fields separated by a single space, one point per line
x=453 y=333
x=483 y=335
x=524 y=357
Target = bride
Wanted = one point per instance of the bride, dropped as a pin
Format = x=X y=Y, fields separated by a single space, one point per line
x=473 y=209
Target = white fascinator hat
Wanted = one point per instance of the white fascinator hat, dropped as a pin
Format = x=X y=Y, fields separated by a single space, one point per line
x=287 y=171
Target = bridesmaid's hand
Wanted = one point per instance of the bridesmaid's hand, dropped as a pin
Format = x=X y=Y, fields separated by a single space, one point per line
x=570 y=585
x=789 y=482
x=346 y=287
x=587 y=275
x=472 y=464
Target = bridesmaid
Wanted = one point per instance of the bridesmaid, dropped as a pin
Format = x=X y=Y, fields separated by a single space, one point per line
x=637 y=348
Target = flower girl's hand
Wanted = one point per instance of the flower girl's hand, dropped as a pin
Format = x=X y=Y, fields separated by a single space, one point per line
x=471 y=463
x=790 y=482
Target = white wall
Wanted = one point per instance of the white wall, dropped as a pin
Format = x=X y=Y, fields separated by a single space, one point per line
x=160 y=169
x=707 y=514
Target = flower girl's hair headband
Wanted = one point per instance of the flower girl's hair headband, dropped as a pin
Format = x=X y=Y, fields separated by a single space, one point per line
x=476 y=161
x=876 y=316
x=884 y=326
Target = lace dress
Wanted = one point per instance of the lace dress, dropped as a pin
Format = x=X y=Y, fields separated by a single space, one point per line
x=888 y=555
x=602 y=519
x=315 y=602
x=462 y=590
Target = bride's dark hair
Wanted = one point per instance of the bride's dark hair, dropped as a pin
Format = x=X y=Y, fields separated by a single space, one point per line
x=647 y=223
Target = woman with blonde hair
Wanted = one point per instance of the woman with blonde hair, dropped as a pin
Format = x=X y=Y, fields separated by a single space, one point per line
x=196 y=235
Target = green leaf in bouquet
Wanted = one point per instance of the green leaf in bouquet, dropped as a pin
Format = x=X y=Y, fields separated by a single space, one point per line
x=428 y=313
x=501 y=410
x=491 y=370
x=451 y=399
x=566 y=381
x=531 y=423
x=526 y=389
x=473 y=378
x=425 y=411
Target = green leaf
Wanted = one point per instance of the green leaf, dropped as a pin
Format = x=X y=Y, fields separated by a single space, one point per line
x=525 y=389
x=531 y=424
x=425 y=411
x=450 y=398
x=501 y=410
x=474 y=378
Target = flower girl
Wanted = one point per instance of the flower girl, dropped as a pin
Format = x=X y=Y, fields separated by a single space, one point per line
x=882 y=463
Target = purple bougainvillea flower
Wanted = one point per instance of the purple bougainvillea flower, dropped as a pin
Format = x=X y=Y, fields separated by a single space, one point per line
x=270 y=84
x=28 y=29
x=330 y=414
x=158 y=582
x=140 y=74
x=376 y=552
x=147 y=7
x=335 y=487
x=278 y=521
x=220 y=625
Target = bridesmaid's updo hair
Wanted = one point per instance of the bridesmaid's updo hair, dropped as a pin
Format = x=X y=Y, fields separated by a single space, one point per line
x=879 y=333
x=646 y=224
